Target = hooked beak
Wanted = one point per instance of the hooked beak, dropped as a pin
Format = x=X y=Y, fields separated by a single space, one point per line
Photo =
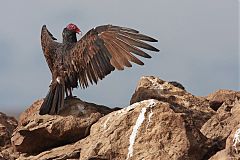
x=78 y=31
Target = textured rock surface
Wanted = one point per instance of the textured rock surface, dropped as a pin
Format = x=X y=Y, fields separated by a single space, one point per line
x=149 y=129
x=8 y=153
x=222 y=127
x=217 y=98
x=72 y=124
x=153 y=87
x=232 y=148
x=7 y=125
x=219 y=127
x=163 y=122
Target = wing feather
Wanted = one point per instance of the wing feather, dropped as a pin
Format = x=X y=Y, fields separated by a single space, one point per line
x=115 y=60
x=137 y=43
x=49 y=46
x=129 y=56
x=121 y=53
x=105 y=48
x=93 y=73
x=138 y=36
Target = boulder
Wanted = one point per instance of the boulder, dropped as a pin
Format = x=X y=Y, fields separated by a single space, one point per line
x=148 y=129
x=217 y=98
x=7 y=125
x=174 y=93
x=232 y=148
x=36 y=133
x=164 y=121
x=222 y=126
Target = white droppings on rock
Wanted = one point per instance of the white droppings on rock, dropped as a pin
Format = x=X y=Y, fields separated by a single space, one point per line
x=126 y=109
x=138 y=124
x=155 y=83
x=119 y=112
x=151 y=105
x=105 y=123
x=236 y=139
x=149 y=118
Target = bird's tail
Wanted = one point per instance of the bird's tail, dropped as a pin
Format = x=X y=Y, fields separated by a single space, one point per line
x=54 y=100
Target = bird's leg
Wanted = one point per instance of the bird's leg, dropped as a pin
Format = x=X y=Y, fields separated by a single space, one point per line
x=66 y=93
x=70 y=90
x=70 y=93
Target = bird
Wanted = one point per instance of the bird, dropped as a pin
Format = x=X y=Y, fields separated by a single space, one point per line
x=83 y=62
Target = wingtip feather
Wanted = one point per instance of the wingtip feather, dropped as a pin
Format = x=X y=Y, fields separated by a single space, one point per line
x=154 y=40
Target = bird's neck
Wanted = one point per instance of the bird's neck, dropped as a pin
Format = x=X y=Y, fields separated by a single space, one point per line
x=69 y=39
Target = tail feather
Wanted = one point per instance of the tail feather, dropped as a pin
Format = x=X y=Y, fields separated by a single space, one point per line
x=54 y=100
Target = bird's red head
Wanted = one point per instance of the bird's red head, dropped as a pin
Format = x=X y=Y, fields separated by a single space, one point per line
x=73 y=27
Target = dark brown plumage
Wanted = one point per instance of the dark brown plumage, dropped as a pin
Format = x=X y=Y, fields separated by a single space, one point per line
x=84 y=62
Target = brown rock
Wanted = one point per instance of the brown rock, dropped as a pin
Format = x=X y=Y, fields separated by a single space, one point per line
x=8 y=153
x=233 y=143
x=149 y=129
x=163 y=122
x=221 y=155
x=150 y=87
x=219 y=126
x=232 y=148
x=36 y=133
x=7 y=125
x=217 y=98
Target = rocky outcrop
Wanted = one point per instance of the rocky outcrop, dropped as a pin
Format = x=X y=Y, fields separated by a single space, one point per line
x=223 y=126
x=149 y=129
x=71 y=125
x=221 y=96
x=7 y=125
x=232 y=147
x=164 y=121
x=174 y=94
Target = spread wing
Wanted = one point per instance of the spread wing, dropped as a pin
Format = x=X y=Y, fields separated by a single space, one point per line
x=105 y=48
x=49 y=46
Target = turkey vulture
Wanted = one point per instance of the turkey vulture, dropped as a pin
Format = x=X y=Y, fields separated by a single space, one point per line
x=84 y=62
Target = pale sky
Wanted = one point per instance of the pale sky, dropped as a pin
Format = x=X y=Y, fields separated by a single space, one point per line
x=198 y=42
